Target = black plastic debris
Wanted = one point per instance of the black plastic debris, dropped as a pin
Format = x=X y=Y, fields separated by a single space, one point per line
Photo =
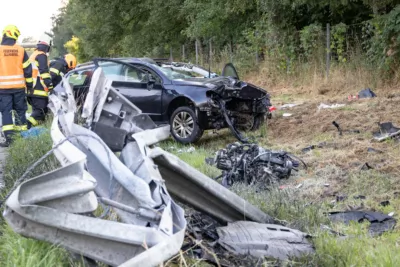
x=366 y=167
x=373 y=150
x=380 y=222
x=337 y=127
x=386 y=131
x=388 y=127
x=250 y=163
x=360 y=197
x=340 y=198
x=344 y=131
x=309 y=148
x=312 y=147
x=366 y=93
x=385 y=203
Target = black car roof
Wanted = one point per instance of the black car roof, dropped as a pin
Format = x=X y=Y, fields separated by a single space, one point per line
x=127 y=60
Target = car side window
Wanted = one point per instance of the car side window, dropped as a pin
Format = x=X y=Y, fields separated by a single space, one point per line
x=77 y=78
x=121 y=72
x=132 y=74
x=151 y=73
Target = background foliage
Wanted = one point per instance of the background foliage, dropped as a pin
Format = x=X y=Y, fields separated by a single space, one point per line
x=284 y=30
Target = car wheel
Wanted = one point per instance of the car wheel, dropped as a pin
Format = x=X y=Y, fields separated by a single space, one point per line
x=258 y=121
x=184 y=126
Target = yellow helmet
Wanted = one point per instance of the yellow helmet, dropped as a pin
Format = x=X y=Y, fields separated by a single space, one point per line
x=11 y=31
x=71 y=61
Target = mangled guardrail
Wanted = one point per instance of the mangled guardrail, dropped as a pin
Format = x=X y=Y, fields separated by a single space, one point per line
x=54 y=206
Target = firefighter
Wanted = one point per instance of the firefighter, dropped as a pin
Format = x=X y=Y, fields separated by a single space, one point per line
x=42 y=85
x=60 y=66
x=15 y=78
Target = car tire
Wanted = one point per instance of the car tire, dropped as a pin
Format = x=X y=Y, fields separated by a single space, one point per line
x=184 y=126
x=258 y=121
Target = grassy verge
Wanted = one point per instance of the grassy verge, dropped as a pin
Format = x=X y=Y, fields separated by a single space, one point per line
x=304 y=208
x=15 y=250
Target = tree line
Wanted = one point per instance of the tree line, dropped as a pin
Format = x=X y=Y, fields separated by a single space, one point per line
x=288 y=30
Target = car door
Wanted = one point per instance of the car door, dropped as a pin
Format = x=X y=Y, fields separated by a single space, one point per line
x=230 y=71
x=141 y=88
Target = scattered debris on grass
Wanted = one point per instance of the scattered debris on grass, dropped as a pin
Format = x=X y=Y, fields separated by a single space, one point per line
x=33 y=132
x=241 y=243
x=360 y=197
x=263 y=240
x=342 y=131
x=287 y=115
x=325 y=106
x=340 y=198
x=380 y=222
x=385 y=203
x=289 y=105
x=366 y=167
x=387 y=131
x=312 y=147
x=251 y=164
x=366 y=93
x=373 y=150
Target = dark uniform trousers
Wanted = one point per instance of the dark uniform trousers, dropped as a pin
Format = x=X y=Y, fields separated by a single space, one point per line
x=39 y=108
x=13 y=99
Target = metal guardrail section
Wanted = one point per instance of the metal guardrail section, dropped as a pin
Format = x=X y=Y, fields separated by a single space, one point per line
x=54 y=206
x=192 y=187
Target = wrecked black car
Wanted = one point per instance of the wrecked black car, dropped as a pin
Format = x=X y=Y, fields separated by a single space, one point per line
x=188 y=103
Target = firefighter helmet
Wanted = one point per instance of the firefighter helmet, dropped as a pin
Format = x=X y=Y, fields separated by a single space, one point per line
x=11 y=31
x=71 y=61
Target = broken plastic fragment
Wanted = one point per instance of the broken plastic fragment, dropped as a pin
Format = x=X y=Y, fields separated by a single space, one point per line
x=288 y=106
x=379 y=222
x=264 y=240
x=325 y=106
x=386 y=131
x=366 y=93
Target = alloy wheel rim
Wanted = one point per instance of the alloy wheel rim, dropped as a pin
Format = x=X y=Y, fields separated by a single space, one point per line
x=183 y=124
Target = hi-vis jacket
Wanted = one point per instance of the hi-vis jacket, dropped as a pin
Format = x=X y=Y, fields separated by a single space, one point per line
x=58 y=68
x=15 y=68
x=40 y=74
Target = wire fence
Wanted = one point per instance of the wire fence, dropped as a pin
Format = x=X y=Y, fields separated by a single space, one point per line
x=329 y=46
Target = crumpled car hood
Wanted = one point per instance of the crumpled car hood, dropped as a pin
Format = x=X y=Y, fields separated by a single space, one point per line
x=221 y=84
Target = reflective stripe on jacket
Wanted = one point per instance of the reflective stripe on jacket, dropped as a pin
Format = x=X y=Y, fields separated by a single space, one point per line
x=11 y=67
x=35 y=69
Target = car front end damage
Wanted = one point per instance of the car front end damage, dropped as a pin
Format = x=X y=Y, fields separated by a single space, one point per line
x=235 y=104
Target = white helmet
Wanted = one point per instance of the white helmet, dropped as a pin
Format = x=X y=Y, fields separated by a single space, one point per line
x=45 y=39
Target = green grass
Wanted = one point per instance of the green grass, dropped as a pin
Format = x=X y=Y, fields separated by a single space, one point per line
x=15 y=250
x=359 y=249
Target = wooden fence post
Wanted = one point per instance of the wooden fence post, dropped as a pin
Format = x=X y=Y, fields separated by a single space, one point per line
x=328 y=50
